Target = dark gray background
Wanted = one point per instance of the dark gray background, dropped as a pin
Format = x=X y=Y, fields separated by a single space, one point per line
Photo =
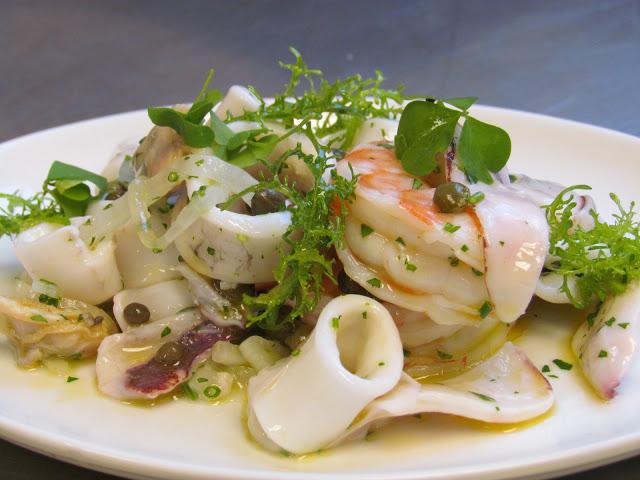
x=68 y=60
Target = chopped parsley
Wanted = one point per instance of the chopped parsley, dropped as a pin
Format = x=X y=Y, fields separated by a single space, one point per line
x=409 y=266
x=400 y=240
x=444 y=355
x=375 y=282
x=482 y=396
x=335 y=322
x=416 y=184
x=464 y=248
x=211 y=250
x=71 y=379
x=365 y=230
x=477 y=273
x=48 y=300
x=450 y=228
x=610 y=322
x=477 y=198
x=603 y=354
x=485 y=309
x=38 y=318
x=165 y=331
x=562 y=365
x=545 y=369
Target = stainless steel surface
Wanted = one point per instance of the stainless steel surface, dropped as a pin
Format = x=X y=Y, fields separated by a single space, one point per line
x=69 y=60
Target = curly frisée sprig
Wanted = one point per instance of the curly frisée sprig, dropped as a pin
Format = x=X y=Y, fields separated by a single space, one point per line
x=317 y=225
x=602 y=261
x=18 y=213
x=337 y=108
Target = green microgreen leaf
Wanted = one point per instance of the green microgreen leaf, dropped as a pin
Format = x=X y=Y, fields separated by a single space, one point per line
x=67 y=184
x=425 y=129
x=463 y=103
x=193 y=134
x=483 y=148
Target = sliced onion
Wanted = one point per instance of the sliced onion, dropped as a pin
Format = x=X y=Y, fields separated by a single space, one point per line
x=143 y=192
x=45 y=288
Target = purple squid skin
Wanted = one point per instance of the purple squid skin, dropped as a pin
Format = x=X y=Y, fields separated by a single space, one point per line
x=154 y=378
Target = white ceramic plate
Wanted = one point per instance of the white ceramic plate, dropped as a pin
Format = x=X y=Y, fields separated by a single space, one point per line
x=188 y=440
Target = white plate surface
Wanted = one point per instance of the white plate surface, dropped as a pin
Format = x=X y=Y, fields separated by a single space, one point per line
x=190 y=441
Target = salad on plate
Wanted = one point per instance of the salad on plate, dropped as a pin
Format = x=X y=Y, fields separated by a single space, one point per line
x=340 y=255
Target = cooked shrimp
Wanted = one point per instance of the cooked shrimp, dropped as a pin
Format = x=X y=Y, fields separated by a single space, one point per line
x=458 y=268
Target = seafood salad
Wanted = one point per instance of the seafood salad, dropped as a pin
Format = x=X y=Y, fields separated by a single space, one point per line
x=338 y=255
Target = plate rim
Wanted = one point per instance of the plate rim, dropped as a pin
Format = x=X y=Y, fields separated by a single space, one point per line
x=91 y=456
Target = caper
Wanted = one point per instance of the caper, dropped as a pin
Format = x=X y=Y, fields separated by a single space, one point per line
x=136 y=314
x=347 y=285
x=115 y=190
x=170 y=353
x=235 y=295
x=267 y=201
x=451 y=197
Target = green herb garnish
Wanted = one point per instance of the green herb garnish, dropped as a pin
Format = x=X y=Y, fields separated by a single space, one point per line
x=365 y=230
x=444 y=355
x=485 y=309
x=189 y=125
x=375 y=282
x=71 y=379
x=317 y=226
x=68 y=185
x=562 y=365
x=166 y=331
x=603 y=261
x=484 y=397
x=38 y=318
x=451 y=228
x=427 y=127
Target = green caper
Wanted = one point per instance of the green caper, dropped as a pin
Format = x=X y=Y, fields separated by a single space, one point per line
x=267 y=201
x=115 y=190
x=451 y=197
x=347 y=285
x=136 y=314
x=235 y=295
x=170 y=353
